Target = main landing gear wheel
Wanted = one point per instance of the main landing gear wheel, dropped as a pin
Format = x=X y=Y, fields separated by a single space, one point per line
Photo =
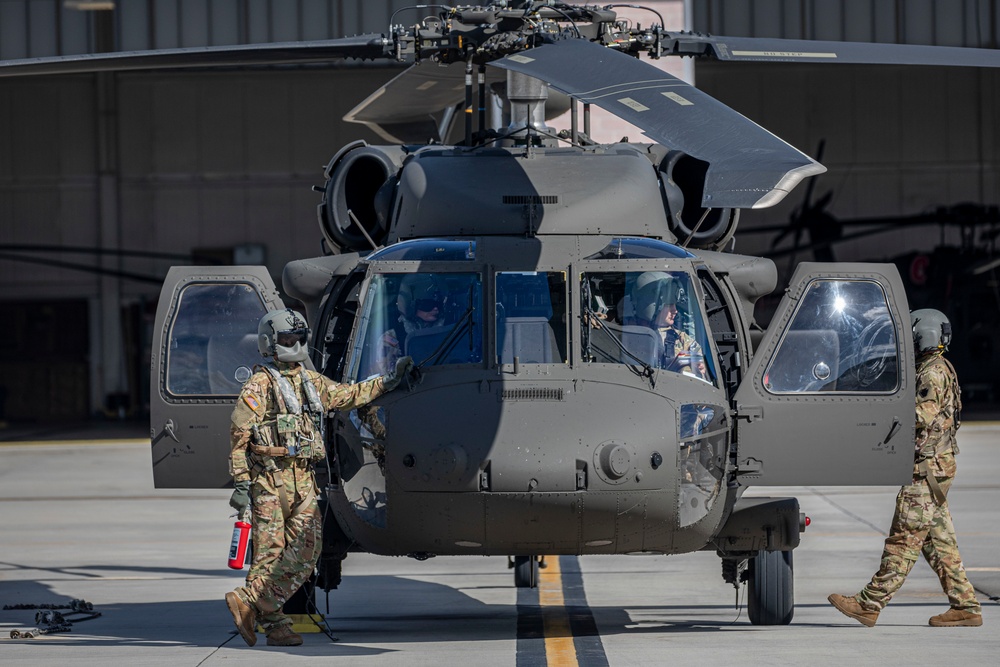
x=771 y=595
x=526 y=571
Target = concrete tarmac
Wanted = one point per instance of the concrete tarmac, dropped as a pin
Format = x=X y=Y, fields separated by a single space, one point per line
x=81 y=520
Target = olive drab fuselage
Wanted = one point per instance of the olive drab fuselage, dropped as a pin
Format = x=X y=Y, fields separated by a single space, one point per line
x=531 y=432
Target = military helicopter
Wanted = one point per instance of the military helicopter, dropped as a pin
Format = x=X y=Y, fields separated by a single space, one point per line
x=592 y=380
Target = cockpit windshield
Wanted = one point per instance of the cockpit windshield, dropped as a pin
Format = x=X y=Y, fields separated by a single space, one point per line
x=647 y=319
x=531 y=317
x=436 y=318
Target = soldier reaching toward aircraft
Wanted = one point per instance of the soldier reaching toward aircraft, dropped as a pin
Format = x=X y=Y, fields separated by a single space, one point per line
x=922 y=522
x=277 y=436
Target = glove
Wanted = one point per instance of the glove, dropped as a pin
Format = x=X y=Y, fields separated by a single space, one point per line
x=241 y=496
x=403 y=366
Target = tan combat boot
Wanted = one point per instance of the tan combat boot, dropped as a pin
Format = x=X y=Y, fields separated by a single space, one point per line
x=283 y=636
x=244 y=617
x=848 y=606
x=954 y=618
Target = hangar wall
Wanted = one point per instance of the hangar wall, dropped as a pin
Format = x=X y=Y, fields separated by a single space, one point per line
x=898 y=140
x=35 y=28
x=189 y=168
x=969 y=23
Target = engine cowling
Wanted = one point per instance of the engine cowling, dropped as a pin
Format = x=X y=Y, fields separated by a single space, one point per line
x=360 y=180
x=682 y=178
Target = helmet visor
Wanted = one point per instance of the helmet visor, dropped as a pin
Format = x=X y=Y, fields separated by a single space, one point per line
x=292 y=337
x=427 y=305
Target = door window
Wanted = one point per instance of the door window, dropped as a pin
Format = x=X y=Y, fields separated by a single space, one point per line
x=531 y=317
x=645 y=318
x=213 y=339
x=841 y=339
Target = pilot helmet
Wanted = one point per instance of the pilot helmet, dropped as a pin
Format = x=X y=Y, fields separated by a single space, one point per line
x=284 y=335
x=651 y=291
x=421 y=291
x=931 y=331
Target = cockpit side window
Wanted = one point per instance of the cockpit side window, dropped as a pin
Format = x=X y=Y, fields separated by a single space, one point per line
x=531 y=317
x=436 y=318
x=213 y=339
x=645 y=318
x=840 y=339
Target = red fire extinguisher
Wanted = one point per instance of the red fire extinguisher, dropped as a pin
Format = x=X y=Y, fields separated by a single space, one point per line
x=238 y=547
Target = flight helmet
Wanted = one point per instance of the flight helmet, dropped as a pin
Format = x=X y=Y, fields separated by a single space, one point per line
x=284 y=335
x=421 y=291
x=931 y=330
x=651 y=291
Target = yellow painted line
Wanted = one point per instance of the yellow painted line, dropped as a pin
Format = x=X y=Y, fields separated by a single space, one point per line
x=559 y=649
x=982 y=569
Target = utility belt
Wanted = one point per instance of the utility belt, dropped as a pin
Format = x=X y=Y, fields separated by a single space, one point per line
x=923 y=469
x=289 y=435
x=262 y=463
x=291 y=453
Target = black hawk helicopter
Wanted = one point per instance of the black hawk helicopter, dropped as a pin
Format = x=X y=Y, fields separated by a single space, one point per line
x=591 y=379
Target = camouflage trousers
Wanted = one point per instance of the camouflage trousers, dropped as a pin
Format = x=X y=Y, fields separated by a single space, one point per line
x=920 y=526
x=286 y=548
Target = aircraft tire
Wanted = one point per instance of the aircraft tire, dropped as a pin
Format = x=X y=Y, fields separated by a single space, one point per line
x=526 y=571
x=771 y=588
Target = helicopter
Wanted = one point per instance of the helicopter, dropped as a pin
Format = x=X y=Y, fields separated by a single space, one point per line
x=552 y=412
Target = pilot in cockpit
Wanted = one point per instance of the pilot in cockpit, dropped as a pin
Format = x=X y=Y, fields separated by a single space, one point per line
x=654 y=296
x=421 y=304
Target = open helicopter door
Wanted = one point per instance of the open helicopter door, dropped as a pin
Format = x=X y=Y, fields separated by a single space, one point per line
x=204 y=348
x=829 y=395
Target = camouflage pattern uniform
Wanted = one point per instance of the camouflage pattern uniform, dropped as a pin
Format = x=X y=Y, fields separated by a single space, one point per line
x=679 y=349
x=675 y=342
x=922 y=522
x=287 y=527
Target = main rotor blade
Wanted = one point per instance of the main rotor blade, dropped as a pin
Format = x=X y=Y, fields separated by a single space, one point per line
x=759 y=49
x=361 y=46
x=407 y=108
x=748 y=166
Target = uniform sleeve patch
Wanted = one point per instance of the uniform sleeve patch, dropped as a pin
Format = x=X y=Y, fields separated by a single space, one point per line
x=251 y=401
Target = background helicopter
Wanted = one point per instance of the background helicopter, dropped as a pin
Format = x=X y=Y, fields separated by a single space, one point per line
x=548 y=396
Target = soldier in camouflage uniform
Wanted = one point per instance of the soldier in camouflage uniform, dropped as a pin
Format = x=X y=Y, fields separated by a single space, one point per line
x=922 y=523
x=277 y=436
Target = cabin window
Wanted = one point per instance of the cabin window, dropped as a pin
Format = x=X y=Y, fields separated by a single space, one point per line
x=436 y=318
x=840 y=339
x=531 y=317
x=213 y=339
x=645 y=319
